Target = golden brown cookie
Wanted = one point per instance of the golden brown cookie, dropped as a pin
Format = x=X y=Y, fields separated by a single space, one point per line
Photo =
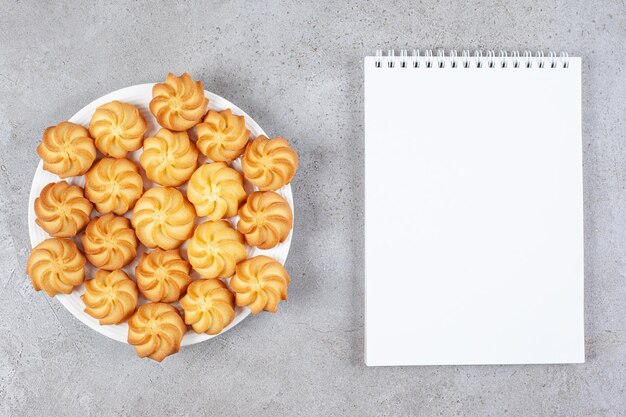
x=260 y=283
x=156 y=330
x=209 y=306
x=62 y=210
x=67 y=150
x=215 y=249
x=117 y=128
x=163 y=217
x=109 y=242
x=113 y=185
x=216 y=190
x=110 y=297
x=162 y=275
x=222 y=136
x=178 y=103
x=269 y=163
x=56 y=266
x=265 y=219
x=169 y=158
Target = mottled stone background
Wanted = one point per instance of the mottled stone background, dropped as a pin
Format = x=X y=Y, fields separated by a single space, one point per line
x=296 y=67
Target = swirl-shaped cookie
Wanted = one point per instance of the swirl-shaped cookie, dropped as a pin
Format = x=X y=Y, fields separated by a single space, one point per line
x=265 y=219
x=62 y=210
x=56 y=266
x=163 y=217
x=67 y=150
x=209 y=306
x=162 y=275
x=117 y=128
x=109 y=242
x=169 y=158
x=215 y=249
x=260 y=283
x=113 y=185
x=222 y=136
x=216 y=190
x=178 y=103
x=269 y=164
x=156 y=330
x=110 y=297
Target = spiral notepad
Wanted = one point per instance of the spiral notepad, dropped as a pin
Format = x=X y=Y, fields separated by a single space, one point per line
x=473 y=208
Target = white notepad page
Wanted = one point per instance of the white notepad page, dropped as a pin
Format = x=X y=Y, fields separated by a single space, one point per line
x=473 y=213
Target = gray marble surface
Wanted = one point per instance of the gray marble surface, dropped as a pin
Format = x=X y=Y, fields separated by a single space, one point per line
x=296 y=67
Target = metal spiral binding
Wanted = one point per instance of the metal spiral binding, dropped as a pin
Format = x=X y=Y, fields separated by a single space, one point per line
x=488 y=59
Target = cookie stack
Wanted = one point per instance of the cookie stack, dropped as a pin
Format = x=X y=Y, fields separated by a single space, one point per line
x=163 y=218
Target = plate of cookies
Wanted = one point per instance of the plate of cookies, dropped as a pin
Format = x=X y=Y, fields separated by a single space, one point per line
x=161 y=215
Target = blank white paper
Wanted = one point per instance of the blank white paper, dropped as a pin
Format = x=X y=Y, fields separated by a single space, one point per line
x=473 y=215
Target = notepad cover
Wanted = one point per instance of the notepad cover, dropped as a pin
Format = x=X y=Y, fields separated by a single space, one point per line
x=473 y=215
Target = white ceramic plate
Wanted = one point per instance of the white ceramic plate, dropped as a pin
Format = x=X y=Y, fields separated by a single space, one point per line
x=140 y=95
